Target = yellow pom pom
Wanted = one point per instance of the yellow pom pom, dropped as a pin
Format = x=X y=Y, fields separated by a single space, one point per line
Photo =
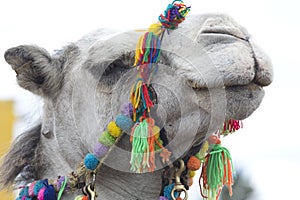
x=191 y=173
x=155 y=131
x=155 y=28
x=113 y=129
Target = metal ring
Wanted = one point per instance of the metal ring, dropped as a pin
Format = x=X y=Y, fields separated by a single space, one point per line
x=181 y=190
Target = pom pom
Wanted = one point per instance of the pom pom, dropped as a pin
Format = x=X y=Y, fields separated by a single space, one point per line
x=193 y=163
x=124 y=122
x=163 y=198
x=41 y=193
x=100 y=150
x=38 y=186
x=167 y=191
x=191 y=173
x=90 y=161
x=178 y=198
x=49 y=193
x=127 y=109
x=30 y=189
x=106 y=139
x=24 y=192
x=113 y=129
x=155 y=131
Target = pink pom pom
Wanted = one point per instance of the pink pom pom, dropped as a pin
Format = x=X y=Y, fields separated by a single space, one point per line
x=41 y=193
x=30 y=189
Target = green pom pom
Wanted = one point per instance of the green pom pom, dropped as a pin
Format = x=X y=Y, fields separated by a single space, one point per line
x=106 y=139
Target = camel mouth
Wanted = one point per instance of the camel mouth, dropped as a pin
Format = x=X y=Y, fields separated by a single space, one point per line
x=240 y=100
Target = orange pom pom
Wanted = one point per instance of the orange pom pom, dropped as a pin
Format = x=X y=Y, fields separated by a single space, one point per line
x=193 y=163
x=178 y=198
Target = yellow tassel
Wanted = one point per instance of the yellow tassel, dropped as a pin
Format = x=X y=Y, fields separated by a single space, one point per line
x=139 y=50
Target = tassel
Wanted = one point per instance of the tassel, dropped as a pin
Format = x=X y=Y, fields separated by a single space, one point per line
x=147 y=49
x=140 y=99
x=230 y=126
x=140 y=148
x=143 y=146
x=216 y=172
x=174 y=15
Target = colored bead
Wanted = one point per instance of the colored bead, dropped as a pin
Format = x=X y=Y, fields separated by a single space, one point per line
x=193 y=163
x=124 y=122
x=191 y=173
x=90 y=161
x=106 y=139
x=100 y=150
x=113 y=129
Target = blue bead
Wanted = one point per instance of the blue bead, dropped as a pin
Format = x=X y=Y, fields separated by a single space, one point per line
x=90 y=161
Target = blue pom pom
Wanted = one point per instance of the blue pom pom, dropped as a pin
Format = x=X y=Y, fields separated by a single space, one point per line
x=38 y=186
x=90 y=161
x=167 y=191
x=24 y=192
x=49 y=193
x=124 y=122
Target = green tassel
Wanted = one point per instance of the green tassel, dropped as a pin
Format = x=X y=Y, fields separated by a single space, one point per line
x=217 y=171
x=140 y=148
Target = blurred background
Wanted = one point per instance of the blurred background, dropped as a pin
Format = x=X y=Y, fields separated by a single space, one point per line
x=265 y=152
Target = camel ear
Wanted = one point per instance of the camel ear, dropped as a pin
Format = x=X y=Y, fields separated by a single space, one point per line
x=36 y=70
x=21 y=159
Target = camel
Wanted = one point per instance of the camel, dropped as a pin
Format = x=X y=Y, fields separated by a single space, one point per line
x=210 y=70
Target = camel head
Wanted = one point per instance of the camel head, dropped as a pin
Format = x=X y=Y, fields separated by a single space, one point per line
x=209 y=71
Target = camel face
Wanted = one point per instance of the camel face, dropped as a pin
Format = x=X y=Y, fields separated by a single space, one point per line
x=209 y=70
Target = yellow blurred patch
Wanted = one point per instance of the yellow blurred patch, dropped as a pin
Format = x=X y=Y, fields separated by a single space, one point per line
x=7 y=119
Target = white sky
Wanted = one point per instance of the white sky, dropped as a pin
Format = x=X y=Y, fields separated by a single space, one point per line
x=267 y=147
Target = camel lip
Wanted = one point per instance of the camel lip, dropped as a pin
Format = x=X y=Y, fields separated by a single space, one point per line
x=196 y=87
